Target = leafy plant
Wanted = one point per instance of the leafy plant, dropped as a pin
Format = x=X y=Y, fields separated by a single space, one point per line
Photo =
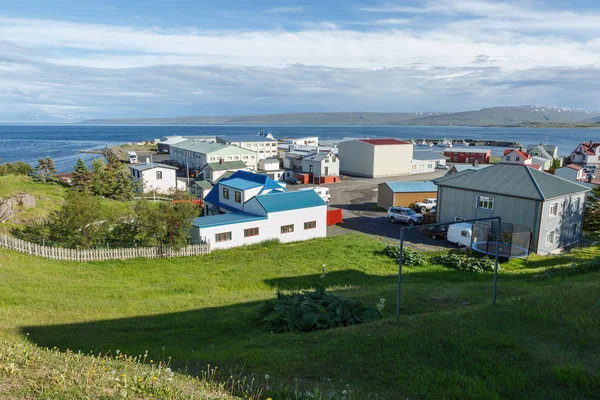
x=410 y=257
x=309 y=311
x=464 y=263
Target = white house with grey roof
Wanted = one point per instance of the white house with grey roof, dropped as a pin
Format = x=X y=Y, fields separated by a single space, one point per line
x=249 y=208
x=551 y=207
x=195 y=154
x=154 y=177
x=263 y=146
x=321 y=164
x=425 y=161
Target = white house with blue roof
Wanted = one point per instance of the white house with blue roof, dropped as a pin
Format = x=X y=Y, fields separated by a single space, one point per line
x=250 y=208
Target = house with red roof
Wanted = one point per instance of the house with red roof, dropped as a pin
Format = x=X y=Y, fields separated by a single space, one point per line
x=375 y=158
x=516 y=156
x=587 y=154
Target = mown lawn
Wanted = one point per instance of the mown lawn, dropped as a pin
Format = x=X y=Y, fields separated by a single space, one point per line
x=541 y=341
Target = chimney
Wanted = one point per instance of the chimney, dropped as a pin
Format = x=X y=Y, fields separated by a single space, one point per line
x=220 y=161
x=147 y=160
x=590 y=143
x=476 y=163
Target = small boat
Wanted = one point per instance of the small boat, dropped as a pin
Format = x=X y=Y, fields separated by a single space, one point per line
x=446 y=143
x=425 y=144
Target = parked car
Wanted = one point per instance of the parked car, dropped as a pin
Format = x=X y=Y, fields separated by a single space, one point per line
x=460 y=234
x=430 y=217
x=402 y=214
x=292 y=181
x=440 y=166
x=425 y=205
x=322 y=191
x=436 y=231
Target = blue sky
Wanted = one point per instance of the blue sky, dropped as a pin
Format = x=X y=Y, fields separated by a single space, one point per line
x=71 y=60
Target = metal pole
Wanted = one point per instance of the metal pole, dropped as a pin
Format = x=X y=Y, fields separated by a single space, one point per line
x=496 y=266
x=400 y=262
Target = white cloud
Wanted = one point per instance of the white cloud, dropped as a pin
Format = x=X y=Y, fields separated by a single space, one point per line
x=393 y=21
x=284 y=10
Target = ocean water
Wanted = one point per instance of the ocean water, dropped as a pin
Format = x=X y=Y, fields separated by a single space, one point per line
x=62 y=142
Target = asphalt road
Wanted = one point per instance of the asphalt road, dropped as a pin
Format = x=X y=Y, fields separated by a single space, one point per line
x=357 y=197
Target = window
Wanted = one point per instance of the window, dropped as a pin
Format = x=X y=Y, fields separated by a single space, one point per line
x=250 y=232
x=465 y=234
x=507 y=158
x=310 y=225
x=485 y=203
x=223 y=237
x=517 y=158
x=245 y=157
x=287 y=228
x=459 y=219
x=238 y=196
x=576 y=203
x=327 y=160
x=550 y=237
x=212 y=159
x=236 y=157
x=228 y=158
x=225 y=193
x=573 y=228
x=158 y=174
x=333 y=159
x=553 y=209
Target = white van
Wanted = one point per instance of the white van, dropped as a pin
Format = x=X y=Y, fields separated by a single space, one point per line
x=132 y=155
x=460 y=234
x=321 y=191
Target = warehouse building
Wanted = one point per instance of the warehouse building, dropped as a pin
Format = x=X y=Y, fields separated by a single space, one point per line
x=402 y=194
x=468 y=155
x=375 y=158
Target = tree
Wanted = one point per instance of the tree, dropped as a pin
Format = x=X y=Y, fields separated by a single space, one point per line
x=591 y=219
x=165 y=224
x=123 y=187
x=98 y=182
x=16 y=168
x=45 y=170
x=79 y=222
x=82 y=178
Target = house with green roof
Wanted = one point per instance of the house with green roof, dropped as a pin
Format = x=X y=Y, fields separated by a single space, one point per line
x=213 y=171
x=550 y=207
x=250 y=208
x=196 y=154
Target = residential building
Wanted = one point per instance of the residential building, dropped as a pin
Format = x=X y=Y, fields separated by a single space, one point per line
x=550 y=207
x=195 y=154
x=403 y=194
x=263 y=146
x=587 y=154
x=460 y=168
x=323 y=166
x=543 y=163
x=575 y=173
x=425 y=161
x=550 y=149
x=270 y=168
x=468 y=155
x=199 y=188
x=303 y=141
x=164 y=145
x=213 y=171
x=375 y=158
x=154 y=177
x=250 y=208
x=516 y=156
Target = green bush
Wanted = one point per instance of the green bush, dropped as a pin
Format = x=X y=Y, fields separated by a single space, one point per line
x=309 y=311
x=410 y=257
x=464 y=263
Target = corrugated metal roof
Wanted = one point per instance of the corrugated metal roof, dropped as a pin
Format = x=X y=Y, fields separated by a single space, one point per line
x=244 y=138
x=512 y=180
x=461 y=168
x=286 y=201
x=239 y=183
x=226 y=175
x=204 y=184
x=424 y=155
x=412 y=187
x=226 y=165
x=225 y=219
x=383 y=142
x=145 y=167
x=466 y=150
x=211 y=148
x=317 y=156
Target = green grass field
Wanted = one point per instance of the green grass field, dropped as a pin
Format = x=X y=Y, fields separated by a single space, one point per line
x=541 y=341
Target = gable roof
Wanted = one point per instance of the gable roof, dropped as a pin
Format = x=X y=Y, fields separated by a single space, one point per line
x=204 y=184
x=466 y=150
x=383 y=142
x=287 y=201
x=424 y=155
x=512 y=180
x=152 y=165
x=574 y=166
x=242 y=180
x=541 y=150
x=202 y=147
x=226 y=165
x=225 y=175
x=239 y=183
x=518 y=152
x=461 y=168
x=244 y=138
x=411 y=187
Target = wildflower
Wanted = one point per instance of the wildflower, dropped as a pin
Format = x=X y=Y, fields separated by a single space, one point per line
x=93 y=371
x=169 y=379
x=168 y=370
x=118 y=351
x=123 y=375
x=139 y=379
x=267 y=377
x=113 y=372
x=151 y=361
x=344 y=393
x=154 y=378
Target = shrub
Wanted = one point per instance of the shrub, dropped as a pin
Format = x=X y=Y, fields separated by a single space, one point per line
x=309 y=311
x=410 y=257
x=464 y=263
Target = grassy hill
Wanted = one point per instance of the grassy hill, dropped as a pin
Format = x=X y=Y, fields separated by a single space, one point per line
x=541 y=341
x=494 y=116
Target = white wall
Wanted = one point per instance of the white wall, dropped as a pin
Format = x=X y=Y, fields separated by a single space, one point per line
x=569 y=173
x=150 y=183
x=356 y=158
x=511 y=158
x=270 y=228
x=268 y=166
x=392 y=160
x=422 y=166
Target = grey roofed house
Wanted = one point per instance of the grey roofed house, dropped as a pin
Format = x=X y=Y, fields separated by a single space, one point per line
x=539 y=151
x=549 y=206
x=460 y=168
x=551 y=149
x=226 y=165
x=427 y=155
x=320 y=156
x=152 y=165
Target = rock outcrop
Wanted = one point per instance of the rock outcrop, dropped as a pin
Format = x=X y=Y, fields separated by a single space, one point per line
x=10 y=206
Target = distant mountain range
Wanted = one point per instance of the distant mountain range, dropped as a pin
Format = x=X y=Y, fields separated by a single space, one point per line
x=494 y=116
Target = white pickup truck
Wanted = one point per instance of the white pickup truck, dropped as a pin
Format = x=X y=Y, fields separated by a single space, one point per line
x=321 y=191
x=425 y=205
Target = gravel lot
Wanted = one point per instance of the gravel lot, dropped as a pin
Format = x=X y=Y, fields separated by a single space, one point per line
x=357 y=197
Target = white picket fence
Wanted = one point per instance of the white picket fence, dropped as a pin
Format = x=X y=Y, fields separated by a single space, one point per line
x=59 y=253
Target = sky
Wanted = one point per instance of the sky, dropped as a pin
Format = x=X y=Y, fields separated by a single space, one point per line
x=69 y=60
